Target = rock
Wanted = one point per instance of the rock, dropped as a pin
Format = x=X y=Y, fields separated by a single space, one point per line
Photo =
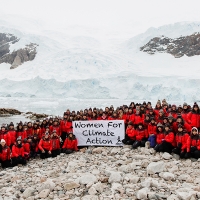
x=168 y=176
x=97 y=150
x=49 y=184
x=44 y=193
x=185 y=193
x=99 y=187
x=90 y=197
x=142 y=194
x=166 y=156
x=71 y=185
x=28 y=192
x=114 y=151
x=115 y=177
x=176 y=156
x=155 y=167
x=172 y=197
x=88 y=178
x=117 y=187
x=92 y=191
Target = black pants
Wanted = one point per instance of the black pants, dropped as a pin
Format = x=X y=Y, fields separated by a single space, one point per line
x=138 y=143
x=18 y=160
x=68 y=151
x=45 y=154
x=63 y=136
x=5 y=163
x=55 y=152
x=127 y=140
x=164 y=147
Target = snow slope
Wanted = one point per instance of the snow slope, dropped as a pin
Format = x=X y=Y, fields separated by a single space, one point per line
x=86 y=66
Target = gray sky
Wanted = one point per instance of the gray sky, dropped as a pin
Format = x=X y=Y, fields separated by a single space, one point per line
x=113 y=16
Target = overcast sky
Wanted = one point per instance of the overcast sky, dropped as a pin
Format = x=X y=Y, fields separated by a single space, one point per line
x=117 y=16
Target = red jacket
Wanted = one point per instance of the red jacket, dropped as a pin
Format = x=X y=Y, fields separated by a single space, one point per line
x=12 y=136
x=5 y=154
x=186 y=126
x=130 y=118
x=130 y=131
x=151 y=129
x=70 y=144
x=57 y=128
x=65 y=126
x=45 y=144
x=138 y=119
x=26 y=147
x=184 y=115
x=21 y=134
x=159 y=137
x=17 y=151
x=193 y=141
x=182 y=138
x=4 y=135
x=55 y=143
x=169 y=137
x=194 y=119
x=29 y=131
x=140 y=134
x=37 y=132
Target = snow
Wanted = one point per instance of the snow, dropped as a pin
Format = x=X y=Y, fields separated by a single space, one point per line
x=86 y=66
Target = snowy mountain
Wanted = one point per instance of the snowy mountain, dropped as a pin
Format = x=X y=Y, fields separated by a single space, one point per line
x=86 y=66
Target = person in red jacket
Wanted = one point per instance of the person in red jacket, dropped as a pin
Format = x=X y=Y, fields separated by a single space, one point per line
x=140 y=136
x=5 y=154
x=159 y=136
x=129 y=135
x=194 y=116
x=36 y=130
x=55 y=144
x=20 y=131
x=130 y=115
x=34 y=143
x=45 y=146
x=4 y=134
x=152 y=133
x=139 y=118
x=64 y=127
x=157 y=108
x=193 y=144
x=147 y=120
x=160 y=116
x=70 y=144
x=168 y=142
x=29 y=130
x=18 y=153
x=11 y=135
x=180 y=121
x=181 y=142
x=185 y=112
x=27 y=149
x=174 y=111
x=55 y=127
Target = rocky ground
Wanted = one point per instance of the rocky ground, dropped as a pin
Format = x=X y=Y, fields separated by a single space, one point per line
x=104 y=173
x=178 y=47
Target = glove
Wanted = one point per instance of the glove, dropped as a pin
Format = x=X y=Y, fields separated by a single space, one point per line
x=179 y=145
x=192 y=149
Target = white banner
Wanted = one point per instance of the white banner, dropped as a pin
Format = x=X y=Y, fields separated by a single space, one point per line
x=99 y=132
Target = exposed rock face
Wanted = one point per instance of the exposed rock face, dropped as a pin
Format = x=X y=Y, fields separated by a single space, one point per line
x=178 y=47
x=16 y=57
x=9 y=111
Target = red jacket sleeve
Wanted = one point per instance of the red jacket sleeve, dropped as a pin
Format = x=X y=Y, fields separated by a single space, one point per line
x=40 y=145
x=170 y=138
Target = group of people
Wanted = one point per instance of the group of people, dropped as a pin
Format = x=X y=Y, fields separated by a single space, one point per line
x=166 y=128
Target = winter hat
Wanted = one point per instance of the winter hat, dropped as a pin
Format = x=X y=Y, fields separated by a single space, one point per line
x=161 y=111
x=11 y=124
x=185 y=104
x=195 y=128
x=2 y=140
x=195 y=105
x=19 y=138
x=152 y=118
x=158 y=102
x=179 y=106
x=3 y=126
x=130 y=123
x=174 y=105
x=167 y=125
x=170 y=116
x=159 y=125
